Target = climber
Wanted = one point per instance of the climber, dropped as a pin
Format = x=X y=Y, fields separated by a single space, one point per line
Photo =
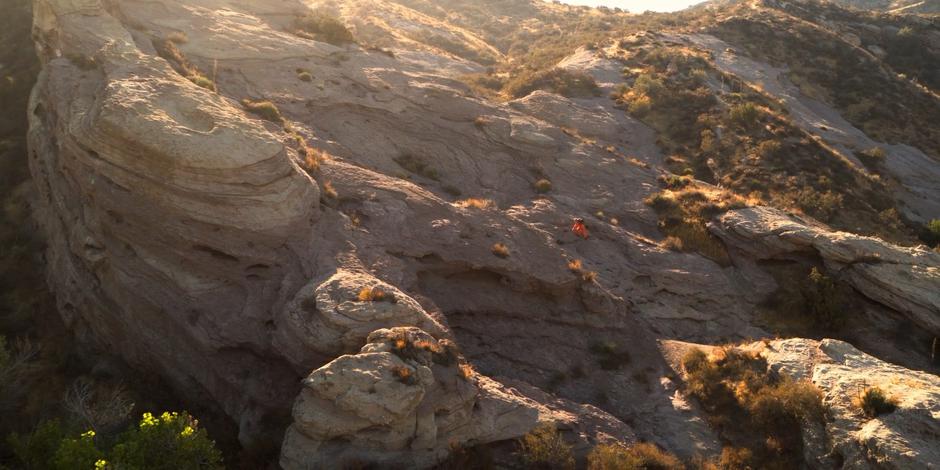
x=579 y=228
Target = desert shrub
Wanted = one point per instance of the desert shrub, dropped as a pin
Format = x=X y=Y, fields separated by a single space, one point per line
x=672 y=243
x=736 y=458
x=178 y=37
x=768 y=149
x=874 y=402
x=172 y=441
x=78 y=452
x=822 y=205
x=264 y=109
x=931 y=233
x=304 y=76
x=203 y=82
x=674 y=181
x=641 y=456
x=37 y=449
x=649 y=85
x=610 y=355
x=744 y=115
x=872 y=158
x=544 y=448
x=500 y=250
x=375 y=294
x=476 y=203
x=765 y=410
x=417 y=165
x=322 y=27
x=823 y=301
x=329 y=191
x=560 y=81
x=661 y=201
x=543 y=186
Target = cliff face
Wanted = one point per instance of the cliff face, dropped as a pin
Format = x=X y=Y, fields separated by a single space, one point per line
x=380 y=256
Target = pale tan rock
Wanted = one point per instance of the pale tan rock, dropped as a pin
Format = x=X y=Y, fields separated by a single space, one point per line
x=903 y=439
x=403 y=400
x=903 y=279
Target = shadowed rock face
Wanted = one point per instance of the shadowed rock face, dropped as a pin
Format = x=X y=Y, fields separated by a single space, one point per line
x=186 y=235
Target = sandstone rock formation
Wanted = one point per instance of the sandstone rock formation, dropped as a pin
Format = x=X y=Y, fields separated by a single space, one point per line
x=192 y=239
x=904 y=438
x=903 y=279
x=404 y=400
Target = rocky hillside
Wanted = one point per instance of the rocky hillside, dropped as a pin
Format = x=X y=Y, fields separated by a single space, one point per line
x=344 y=227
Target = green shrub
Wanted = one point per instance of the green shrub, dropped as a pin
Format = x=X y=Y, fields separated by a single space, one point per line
x=264 y=109
x=417 y=165
x=172 y=441
x=874 y=402
x=642 y=456
x=744 y=115
x=37 y=449
x=822 y=300
x=543 y=186
x=931 y=233
x=544 y=448
x=78 y=453
x=560 y=81
x=610 y=356
x=872 y=158
x=324 y=28
x=766 y=411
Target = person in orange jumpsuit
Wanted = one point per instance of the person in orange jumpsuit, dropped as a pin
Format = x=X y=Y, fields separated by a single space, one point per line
x=579 y=228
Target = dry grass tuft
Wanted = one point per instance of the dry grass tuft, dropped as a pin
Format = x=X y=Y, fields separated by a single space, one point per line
x=476 y=203
x=873 y=402
x=500 y=250
x=638 y=456
x=543 y=186
x=264 y=109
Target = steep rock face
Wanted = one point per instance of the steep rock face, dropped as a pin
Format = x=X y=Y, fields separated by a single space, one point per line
x=404 y=400
x=175 y=223
x=903 y=279
x=904 y=438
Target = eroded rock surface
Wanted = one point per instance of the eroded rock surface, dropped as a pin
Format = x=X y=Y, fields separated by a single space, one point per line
x=904 y=438
x=405 y=399
x=904 y=279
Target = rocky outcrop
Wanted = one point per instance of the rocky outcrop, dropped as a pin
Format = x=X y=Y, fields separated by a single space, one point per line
x=176 y=223
x=405 y=400
x=903 y=279
x=904 y=438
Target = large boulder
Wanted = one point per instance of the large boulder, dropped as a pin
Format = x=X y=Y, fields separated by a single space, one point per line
x=405 y=399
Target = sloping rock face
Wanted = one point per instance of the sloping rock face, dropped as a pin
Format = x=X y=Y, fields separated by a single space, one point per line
x=904 y=438
x=903 y=279
x=185 y=236
x=176 y=224
x=403 y=400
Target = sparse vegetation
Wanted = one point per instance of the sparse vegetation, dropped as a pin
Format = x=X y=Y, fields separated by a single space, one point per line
x=641 y=456
x=320 y=26
x=170 y=441
x=544 y=448
x=476 y=203
x=873 y=402
x=753 y=408
x=264 y=109
x=304 y=75
x=329 y=191
x=375 y=294
x=166 y=48
x=417 y=165
x=543 y=186
x=930 y=234
x=610 y=355
x=560 y=81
